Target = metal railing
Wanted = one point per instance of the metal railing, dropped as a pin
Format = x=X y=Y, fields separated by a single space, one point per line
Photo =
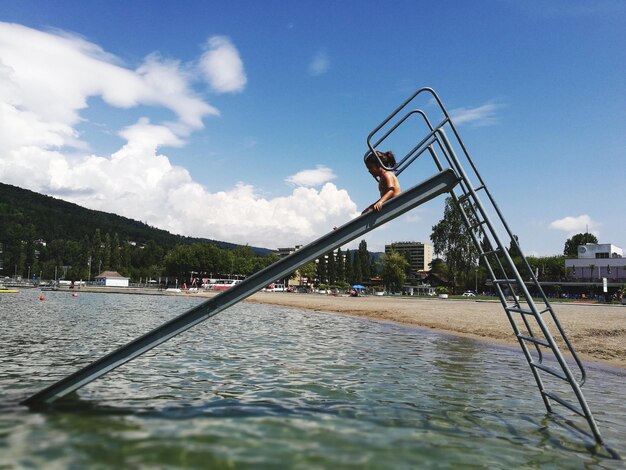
x=536 y=327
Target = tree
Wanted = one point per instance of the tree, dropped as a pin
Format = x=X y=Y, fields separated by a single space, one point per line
x=547 y=268
x=115 y=253
x=514 y=250
x=349 y=273
x=340 y=267
x=96 y=251
x=571 y=244
x=322 y=273
x=364 y=256
x=308 y=271
x=357 y=272
x=453 y=240
x=331 y=269
x=438 y=267
x=125 y=259
x=106 y=252
x=394 y=271
x=243 y=260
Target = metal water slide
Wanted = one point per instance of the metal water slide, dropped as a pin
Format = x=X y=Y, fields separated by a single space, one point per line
x=532 y=317
x=441 y=182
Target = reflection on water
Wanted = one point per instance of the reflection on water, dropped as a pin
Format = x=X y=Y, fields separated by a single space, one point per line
x=262 y=386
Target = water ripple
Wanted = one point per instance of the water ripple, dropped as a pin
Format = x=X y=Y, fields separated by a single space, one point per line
x=261 y=386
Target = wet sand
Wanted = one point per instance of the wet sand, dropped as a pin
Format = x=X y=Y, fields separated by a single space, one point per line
x=597 y=332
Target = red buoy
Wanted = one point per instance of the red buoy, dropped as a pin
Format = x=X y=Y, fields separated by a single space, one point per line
x=42 y=298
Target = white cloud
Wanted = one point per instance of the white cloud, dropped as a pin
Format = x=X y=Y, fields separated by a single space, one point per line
x=46 y=80
x=240 y=215
x=319 y=64
x=141 y=184
x=481 y=116
x=579 y=224
x=222 y=66
x=54 y=75
x=314 y=177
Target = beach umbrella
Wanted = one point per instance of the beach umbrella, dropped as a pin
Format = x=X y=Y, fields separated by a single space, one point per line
x=358 y=286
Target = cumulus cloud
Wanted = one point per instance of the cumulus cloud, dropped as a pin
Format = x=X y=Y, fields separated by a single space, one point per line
x=313 y=177
x=46 y=80
x=54 y=75
x=579 y=224
x=140 y=183
x=240 y=213
x=222 y=66
x=319 y=64
x=484 y=115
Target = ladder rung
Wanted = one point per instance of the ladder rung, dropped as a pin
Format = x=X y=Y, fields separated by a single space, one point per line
x=492 y=252
x=478 y=224
x=566 y=404
x=504 y=281
x=549 y=370
x=523 y=311
x=466 y=196
x=532 y=339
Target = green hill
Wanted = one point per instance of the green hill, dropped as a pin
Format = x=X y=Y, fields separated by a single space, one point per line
x=53 y=219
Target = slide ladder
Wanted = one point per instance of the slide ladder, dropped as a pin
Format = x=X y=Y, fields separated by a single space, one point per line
x=440 y=183
x=531 y=315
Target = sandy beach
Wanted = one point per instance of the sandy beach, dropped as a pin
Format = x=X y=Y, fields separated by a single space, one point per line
x=597 y=332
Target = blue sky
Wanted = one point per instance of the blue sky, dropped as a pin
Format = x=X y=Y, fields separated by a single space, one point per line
x=247 y=121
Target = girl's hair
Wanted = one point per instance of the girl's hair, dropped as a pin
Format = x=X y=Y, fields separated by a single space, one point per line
x=388 y=159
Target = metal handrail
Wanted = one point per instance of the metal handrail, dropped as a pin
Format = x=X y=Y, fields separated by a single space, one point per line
x=486 y=231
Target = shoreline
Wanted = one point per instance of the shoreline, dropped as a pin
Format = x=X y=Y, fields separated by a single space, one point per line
x=597 y=332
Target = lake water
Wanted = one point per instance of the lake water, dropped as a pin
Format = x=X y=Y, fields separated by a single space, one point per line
x=273 y=387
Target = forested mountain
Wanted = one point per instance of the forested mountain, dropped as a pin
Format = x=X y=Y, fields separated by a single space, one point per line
x=53 y=219
x=46 y=238
x=40 y=235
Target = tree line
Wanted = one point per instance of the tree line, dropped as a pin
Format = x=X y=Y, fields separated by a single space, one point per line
x=26 y=256
x=43 y=237
x=459 y=262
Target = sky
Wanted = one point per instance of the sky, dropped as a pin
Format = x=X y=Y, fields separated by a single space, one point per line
x=247 y=121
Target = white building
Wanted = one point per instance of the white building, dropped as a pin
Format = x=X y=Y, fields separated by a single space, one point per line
x=597 y=261
x=599 y=251
x=111 y=279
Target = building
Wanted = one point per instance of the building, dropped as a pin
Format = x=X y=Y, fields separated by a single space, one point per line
x=283 y=253
x=111 y=279
x=599 y=251
x=597 y=261
x=419 y=254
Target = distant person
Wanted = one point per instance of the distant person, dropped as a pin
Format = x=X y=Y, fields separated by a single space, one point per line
x=388 y=185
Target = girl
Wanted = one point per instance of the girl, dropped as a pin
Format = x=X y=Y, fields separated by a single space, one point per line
x=388 y=185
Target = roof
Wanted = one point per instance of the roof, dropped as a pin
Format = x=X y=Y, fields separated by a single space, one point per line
x=110 y=275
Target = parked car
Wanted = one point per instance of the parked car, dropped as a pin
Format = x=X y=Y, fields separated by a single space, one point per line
x=469 y=293
x=275 y=288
